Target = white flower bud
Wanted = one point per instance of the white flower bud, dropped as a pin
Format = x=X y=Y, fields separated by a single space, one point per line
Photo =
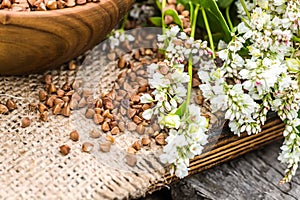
x=167 y=106
x=173 y=103
x=289 y=128
x=293 y=65
x=243 y=128
x=285 y=133
x=248 y=128
x=147 y=114
x=293 y=136
x=146 y=98
x=263 y=4
x=171 y=121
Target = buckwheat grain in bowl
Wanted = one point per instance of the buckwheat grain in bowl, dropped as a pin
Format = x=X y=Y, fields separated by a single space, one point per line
x=35 y=41
x=40 y=5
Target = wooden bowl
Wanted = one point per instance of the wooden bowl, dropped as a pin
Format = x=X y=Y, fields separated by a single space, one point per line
x=31 y=42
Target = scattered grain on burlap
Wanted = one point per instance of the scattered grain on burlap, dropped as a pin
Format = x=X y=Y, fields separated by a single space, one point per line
x=31 y=166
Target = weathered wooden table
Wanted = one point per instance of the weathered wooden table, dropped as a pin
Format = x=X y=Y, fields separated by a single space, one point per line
x=254 y=175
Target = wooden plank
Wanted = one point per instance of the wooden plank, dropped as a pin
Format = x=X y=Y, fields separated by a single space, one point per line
x=251 y=176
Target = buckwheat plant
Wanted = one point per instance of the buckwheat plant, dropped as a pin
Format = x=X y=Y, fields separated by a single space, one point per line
x=187 y=132
x=261 y=74
x=186 y=141
x=116 y=37
x=169 y=83
x=187 y=128
x=141 y=11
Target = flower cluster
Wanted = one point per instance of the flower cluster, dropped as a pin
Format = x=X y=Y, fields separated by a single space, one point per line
x=116 y=38
x=186 y=141
x=169 y=83
x=260 y=73
x=178 y=46
x=186 y=135
x=187 y=131
x=142 y=11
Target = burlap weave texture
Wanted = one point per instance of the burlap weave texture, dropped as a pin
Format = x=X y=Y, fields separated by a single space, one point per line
x=31 y=166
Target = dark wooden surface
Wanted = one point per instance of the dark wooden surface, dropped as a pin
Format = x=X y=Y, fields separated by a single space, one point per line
x=31 y=42
x=254 y=176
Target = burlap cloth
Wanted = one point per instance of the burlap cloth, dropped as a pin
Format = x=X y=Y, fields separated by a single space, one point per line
x=31 y=166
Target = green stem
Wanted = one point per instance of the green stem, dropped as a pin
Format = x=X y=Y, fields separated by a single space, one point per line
x=194 y=21
x=163 y=5
x=124 y=22
x=245 y=8
x=211 y=41
x=190 y=64
x=189 y=91
x=228 y=18
x=191 y=11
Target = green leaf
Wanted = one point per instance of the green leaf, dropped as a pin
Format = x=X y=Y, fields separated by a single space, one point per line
x=295 y=38
x=156 y=21
x=224 y=3
x=216 y=37
x=181 y=109
x=183 y=2
x=192 y=12
x=244 y=52
x=216 y=20
x=158 y=4
x=175 y=16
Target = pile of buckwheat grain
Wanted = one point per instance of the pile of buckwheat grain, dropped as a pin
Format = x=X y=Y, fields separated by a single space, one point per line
x=40 y=5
